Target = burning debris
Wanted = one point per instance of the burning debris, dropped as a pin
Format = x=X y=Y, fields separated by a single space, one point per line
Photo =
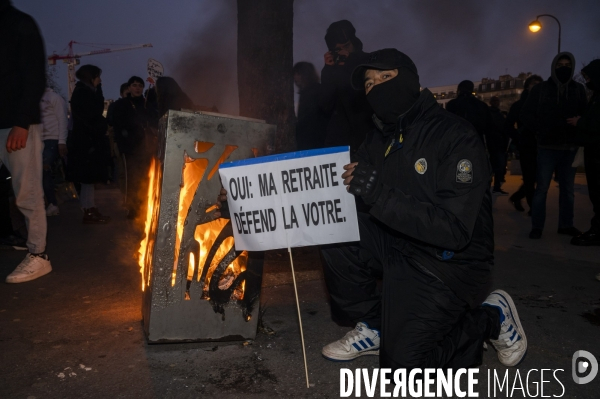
x=194 y=281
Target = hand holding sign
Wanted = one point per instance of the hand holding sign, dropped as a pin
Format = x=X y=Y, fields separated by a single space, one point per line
x=155 y=71
x=362 y=180
x=221 y=198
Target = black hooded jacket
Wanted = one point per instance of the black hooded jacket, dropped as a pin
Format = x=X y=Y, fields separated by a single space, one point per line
x=548 y=106
x=22 y=68
x=436 y=195
x=350 y=113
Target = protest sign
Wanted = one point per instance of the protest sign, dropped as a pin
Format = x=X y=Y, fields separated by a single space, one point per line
x=155 y=70
x=290 y=200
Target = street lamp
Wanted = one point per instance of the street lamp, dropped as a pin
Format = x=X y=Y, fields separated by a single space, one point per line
x=535 y=26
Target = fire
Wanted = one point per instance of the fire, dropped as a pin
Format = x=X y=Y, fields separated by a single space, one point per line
x=191 y=267
x=152 y=208
x=206 y=235
x=193 y=170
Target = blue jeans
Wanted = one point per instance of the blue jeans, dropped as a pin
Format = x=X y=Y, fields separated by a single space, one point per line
x=49 y=157
x=547 y=162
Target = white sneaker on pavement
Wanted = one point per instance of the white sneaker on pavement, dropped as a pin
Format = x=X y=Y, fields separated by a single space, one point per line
x=512 y=342
x=52 y=210
x=30 y=268
x=358 y=342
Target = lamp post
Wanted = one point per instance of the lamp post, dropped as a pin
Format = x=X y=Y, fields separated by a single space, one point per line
x=535 y=26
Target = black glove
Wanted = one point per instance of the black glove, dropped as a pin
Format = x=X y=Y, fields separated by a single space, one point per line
x=365 y=183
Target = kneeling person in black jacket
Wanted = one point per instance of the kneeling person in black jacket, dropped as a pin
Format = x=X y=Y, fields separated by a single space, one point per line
x=428 y=235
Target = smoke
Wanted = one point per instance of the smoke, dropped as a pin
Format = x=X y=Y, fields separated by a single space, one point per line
x=449 y=40
x=206 y=67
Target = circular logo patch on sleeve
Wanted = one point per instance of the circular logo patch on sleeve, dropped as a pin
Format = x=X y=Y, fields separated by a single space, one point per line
x=464 y=171
x=421 y=166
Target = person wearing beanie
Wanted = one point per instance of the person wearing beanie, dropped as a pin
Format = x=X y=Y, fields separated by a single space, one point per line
x=545 y=112
x=428 y=235
x=588 y=132
x=348 y=111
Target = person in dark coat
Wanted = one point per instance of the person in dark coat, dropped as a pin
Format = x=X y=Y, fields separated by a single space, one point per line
x=170 y=95
x=350 y=113
x=545 y=112
x=588 y=133
x=312 y=121
x=88 y=145
x=428 y=234
x=123 y=91
x=136 y=145
x=497 y=143
x=527 y=145
x=470 y=108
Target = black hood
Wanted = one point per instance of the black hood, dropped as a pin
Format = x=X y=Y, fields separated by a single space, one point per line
x=553 y=70
x=342 y=32
x=592 y=70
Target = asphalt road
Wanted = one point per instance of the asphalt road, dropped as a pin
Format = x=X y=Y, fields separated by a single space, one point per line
x=77 y=332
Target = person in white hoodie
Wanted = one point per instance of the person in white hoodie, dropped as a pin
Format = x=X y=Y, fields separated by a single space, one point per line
x=54 y=121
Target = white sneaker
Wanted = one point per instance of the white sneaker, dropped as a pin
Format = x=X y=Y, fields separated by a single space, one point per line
x=52 y=210
x=30 y=268
x=358 y=342
x=512 y=342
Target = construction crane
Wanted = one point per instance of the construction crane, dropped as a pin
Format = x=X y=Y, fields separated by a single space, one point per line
x=72 y=59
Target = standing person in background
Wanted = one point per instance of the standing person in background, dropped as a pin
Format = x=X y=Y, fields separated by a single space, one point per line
x=123 y=91
x=54 y=122
x=497 y=143
x=169 y=95
x=527 y=145
x=350 y=112
x=131 y=120
x=23 y=80
x=117 y=168
x=312 y=121
x=88 y=145
x=588 y=131
x=545 y=112
x=470 y=108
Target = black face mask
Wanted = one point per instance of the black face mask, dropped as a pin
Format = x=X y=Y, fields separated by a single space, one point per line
x=393 y=98
x=563 y=74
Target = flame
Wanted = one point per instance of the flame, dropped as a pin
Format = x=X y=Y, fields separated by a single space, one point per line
x=205 y=235
x=191 y=267
x=153 y=204
x=193 y=171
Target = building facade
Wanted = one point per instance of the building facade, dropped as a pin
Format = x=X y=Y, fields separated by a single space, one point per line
x=507 y=88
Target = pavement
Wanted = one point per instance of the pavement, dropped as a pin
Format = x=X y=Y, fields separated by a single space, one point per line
x=77 y=332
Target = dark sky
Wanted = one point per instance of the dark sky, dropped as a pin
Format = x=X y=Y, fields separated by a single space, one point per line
x=196 y=39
